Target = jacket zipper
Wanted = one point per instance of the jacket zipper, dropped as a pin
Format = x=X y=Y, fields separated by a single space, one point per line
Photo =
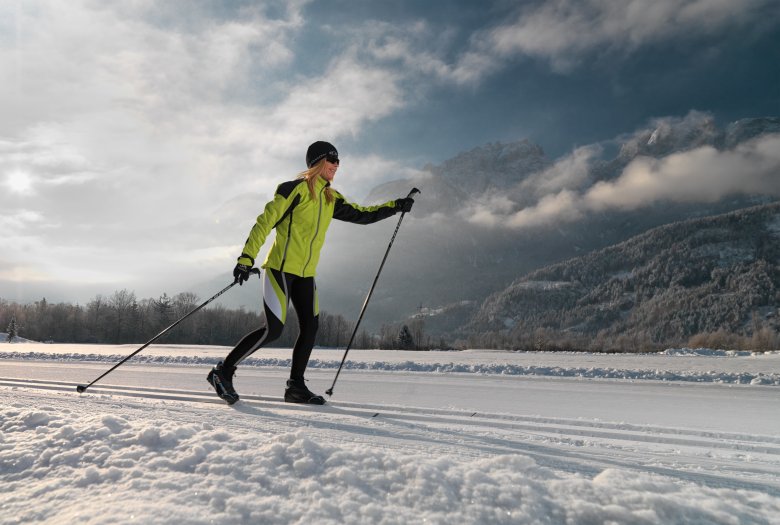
x=284 y=259
x=316 y=231
x=287 y=242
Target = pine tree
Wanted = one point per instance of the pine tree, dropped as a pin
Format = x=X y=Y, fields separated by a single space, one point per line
x=405 y=339
x=163 y=308
x=13 y=330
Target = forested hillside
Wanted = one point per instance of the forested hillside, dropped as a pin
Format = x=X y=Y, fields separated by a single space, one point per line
x=700 y=280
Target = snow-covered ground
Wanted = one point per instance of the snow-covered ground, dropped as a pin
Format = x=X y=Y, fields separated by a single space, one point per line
x=686 y=436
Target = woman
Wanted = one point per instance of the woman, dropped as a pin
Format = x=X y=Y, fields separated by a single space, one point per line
x=300 y=211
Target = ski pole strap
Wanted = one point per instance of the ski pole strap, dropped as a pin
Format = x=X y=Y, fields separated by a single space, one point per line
x=248 y=257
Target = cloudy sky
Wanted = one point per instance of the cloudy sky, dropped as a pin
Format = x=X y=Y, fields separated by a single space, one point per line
x=138 y=139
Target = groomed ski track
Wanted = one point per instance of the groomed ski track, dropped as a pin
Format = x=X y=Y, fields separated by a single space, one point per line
x=586 y=446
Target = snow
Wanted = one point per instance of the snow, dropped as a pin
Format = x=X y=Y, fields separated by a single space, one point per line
x=543 y=285
x=773 y=226
x=757 y=368
x=17 y=339
x=429 y=437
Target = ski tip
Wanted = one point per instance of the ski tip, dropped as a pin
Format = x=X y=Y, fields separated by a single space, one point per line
x=81 y=388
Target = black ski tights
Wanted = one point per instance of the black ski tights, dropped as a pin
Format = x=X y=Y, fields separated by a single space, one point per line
x=277 y=288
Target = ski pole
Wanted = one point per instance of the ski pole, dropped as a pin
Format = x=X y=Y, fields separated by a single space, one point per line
x=368 y=297
x=82 y=388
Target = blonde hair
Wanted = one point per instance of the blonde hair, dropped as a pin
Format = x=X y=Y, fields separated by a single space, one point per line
x=311 y=175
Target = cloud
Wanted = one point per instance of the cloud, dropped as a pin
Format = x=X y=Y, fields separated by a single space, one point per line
x=359 y=175
x=126 y=127
x=28 y=165
x=560 y=207
x=561 y=32
x=569 y=173
x=348 y=95
x=564 y=31
x=423 y=51
x=701 y=175
x=20 y=219
x=21 y=274
x=119 y=88
x=704 y=174
x=416 y=45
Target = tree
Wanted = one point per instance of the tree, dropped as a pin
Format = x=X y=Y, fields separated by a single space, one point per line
x=388 y=336
x=121 y=303
x=417 y=329
x=405 y=339
x=96 y=324
x=183 y=304
x=13 y=330
x=163 y=309
x=365 y=341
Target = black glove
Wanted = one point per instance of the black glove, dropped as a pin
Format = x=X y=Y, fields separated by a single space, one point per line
x=241 y=273
x=404 y=205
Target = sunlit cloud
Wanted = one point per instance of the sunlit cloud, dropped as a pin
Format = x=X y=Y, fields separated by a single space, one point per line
x=704 y=174
x=568 y=173
x=132 y=130
x=23 y=274
x=700 y=175
x=18 y=219
x=19 y=182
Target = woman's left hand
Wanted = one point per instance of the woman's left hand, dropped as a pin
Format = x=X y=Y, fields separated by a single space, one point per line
x=404 y=205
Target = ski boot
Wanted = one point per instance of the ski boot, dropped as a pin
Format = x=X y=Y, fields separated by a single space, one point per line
x=296 y=392
x=221 y=379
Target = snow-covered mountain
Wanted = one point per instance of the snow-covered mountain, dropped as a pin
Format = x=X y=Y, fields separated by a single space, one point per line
x=450 y=186
x=494 y=213
x=673 y=282
x=523 y=170
x=748 y=128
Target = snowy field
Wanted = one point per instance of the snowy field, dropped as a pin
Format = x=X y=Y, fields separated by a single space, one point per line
x=685 y=436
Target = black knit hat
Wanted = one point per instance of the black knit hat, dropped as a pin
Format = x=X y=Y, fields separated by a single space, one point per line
x=318 y=151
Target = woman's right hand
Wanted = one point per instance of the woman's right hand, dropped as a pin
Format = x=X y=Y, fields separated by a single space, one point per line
x=241 y=273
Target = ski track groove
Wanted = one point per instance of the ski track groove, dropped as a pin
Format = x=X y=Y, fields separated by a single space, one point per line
x=564 y=427
x=578 y=446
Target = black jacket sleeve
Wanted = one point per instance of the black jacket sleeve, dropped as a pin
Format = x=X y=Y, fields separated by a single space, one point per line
x=350 y=212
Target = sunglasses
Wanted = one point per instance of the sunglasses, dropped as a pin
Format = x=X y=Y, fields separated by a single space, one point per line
x=332 y=159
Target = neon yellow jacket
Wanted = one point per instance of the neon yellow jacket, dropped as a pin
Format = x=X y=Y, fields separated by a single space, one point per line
x=301 y=224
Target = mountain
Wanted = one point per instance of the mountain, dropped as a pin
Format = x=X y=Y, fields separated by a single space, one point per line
x=748 y=128
x=462 y=241
x=495 y=167
x=663 y=286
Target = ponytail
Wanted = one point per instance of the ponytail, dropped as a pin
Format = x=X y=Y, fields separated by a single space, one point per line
x=311 y=175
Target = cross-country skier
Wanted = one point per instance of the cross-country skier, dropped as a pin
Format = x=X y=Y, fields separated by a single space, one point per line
x=300 y=211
